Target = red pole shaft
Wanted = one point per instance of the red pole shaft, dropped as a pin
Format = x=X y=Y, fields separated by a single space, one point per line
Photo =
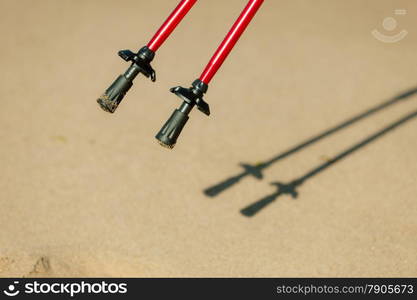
x=170 y=23
x=230 y=40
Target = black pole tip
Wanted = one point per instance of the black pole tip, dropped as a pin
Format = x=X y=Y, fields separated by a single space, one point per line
x=169 y=133
x=112 y=97
x=106 y=103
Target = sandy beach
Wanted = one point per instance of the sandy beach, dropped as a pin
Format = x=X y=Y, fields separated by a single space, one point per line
x=310 y=100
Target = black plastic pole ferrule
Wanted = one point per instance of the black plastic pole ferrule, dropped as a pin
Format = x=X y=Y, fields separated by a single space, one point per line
x=114 y=94
x=112 y=97
x=172 y=128
x=191 y=97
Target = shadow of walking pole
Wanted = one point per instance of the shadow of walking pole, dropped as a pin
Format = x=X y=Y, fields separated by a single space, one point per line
x=290 y=188
x=256 y=170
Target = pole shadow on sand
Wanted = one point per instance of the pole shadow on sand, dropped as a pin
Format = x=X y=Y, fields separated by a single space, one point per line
x=290 y=188
x=256 y=170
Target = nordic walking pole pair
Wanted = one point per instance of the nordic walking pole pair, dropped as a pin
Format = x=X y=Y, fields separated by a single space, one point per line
x=192 y=96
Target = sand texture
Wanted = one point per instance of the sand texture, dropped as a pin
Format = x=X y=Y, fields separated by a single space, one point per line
x=309 y=101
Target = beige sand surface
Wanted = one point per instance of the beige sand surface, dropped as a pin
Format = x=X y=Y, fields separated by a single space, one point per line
x=86 y=193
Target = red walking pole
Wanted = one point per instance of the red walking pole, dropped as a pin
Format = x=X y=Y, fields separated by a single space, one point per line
x=193 y=96
x=170 y=23
x=230 y=40
x=141 y=60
